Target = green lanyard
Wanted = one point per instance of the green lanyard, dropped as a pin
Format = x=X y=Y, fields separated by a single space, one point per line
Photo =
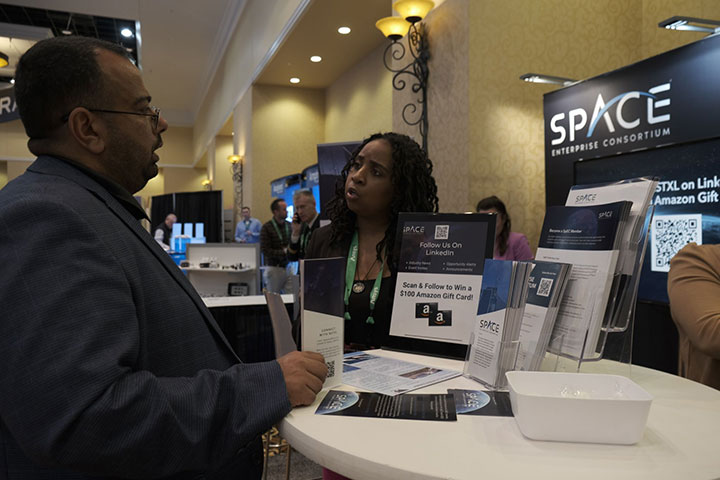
x=350 y=269
x=304 y=238
x=277 y=229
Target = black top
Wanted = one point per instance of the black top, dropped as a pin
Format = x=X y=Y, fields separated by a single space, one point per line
x=167 y=232
x=296 y=250
x=361 y=335
x=358 y=334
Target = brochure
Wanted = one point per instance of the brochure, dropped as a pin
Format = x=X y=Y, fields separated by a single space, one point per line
x=389 y=376
x=639 y=191
x=414 y=406
x=322 y=281
x=440 y=272
x=587 y=238
x=480 y=402
x=546 y=286
x=493 y=344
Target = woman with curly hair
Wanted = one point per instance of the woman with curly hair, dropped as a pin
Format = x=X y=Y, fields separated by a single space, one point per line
x=388 y=173
x=508 y=245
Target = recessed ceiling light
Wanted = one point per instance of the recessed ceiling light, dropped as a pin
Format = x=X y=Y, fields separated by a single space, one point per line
x=126 y=32
x=66 y=32
x=316 y=58
x=12 y=81
x=294 y=80
x=344 y=30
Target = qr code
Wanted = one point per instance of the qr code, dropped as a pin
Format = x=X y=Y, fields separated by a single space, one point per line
x=331 y=368
x=442 y=232
x=669 y=233
x=544 y=287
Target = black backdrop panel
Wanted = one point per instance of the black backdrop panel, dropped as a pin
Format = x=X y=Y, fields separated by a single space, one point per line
x=332 y=157
x=160 y=207
x=192 y=207
x=668 y=99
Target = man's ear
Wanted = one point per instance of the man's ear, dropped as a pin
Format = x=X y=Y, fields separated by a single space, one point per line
x=87 y=130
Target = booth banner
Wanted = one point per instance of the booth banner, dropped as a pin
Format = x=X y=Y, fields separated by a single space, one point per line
x=667 y=99
x=277 y=187
x=8 y=107
x=311 y=176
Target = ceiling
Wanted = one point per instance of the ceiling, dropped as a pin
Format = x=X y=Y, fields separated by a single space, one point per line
x=68 y=23
x=316 y=34
x=181 y=42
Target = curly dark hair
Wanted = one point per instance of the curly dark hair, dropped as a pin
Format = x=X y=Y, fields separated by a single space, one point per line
x=414 y=190
x=494 y=202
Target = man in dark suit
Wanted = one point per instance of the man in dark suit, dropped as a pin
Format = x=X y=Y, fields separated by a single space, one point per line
x=305 y=222
x=111 y=364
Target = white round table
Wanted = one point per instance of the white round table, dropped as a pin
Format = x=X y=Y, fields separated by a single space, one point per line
x=681 y=440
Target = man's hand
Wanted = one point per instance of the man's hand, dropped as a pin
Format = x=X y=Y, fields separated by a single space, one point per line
x=304 y=374
x=295 y=229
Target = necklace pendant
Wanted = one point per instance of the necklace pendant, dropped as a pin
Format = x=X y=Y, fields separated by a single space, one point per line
x=358 y=287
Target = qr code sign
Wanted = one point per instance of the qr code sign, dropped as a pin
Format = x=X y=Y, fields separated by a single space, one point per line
x=331 y=368
x=544 y=287
x=442 y=232
x=669 y=233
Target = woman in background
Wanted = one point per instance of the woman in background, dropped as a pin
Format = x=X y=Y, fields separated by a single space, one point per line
x=508 y=245
x=389 y=173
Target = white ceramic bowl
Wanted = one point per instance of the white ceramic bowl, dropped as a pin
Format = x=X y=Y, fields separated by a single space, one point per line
x=578 y=407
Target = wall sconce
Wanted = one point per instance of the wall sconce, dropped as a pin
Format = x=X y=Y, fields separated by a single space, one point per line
x=691 y=24
x=540 y=78
x=394 y=28
x=236 y=168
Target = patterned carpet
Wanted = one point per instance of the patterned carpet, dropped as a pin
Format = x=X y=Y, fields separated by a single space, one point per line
x=301 y=468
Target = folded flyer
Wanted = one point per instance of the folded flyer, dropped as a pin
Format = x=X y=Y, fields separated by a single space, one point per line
x=413 y=406
x=322 y=282
x=389 y=376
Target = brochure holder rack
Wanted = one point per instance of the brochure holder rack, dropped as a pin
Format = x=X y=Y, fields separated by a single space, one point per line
x=507 y=356
x=618 y=320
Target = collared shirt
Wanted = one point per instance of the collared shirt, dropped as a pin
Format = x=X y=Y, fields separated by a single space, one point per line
x=113 y=188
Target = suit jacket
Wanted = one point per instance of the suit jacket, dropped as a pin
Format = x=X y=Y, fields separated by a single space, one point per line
x=111 y=363
x=296 y=250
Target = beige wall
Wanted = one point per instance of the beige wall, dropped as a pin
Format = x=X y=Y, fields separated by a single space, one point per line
x=486 y=126
x=13 y=141
x=287 y=125
x=242 y=145
x=15 y=168
x=260 y=25
x=177 y=147
x=223 y=170
x=183 y=179
x=359 y=103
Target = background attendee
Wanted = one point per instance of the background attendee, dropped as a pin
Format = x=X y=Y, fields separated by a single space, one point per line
x=694 y=292
x=508 y=245
x=305 y=222
x=248 y=229
x=112 y=366
x=274 y=239
x=389 y=173
x=163 y=232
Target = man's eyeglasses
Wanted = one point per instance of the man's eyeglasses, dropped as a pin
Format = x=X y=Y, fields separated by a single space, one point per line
x=155 y=115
